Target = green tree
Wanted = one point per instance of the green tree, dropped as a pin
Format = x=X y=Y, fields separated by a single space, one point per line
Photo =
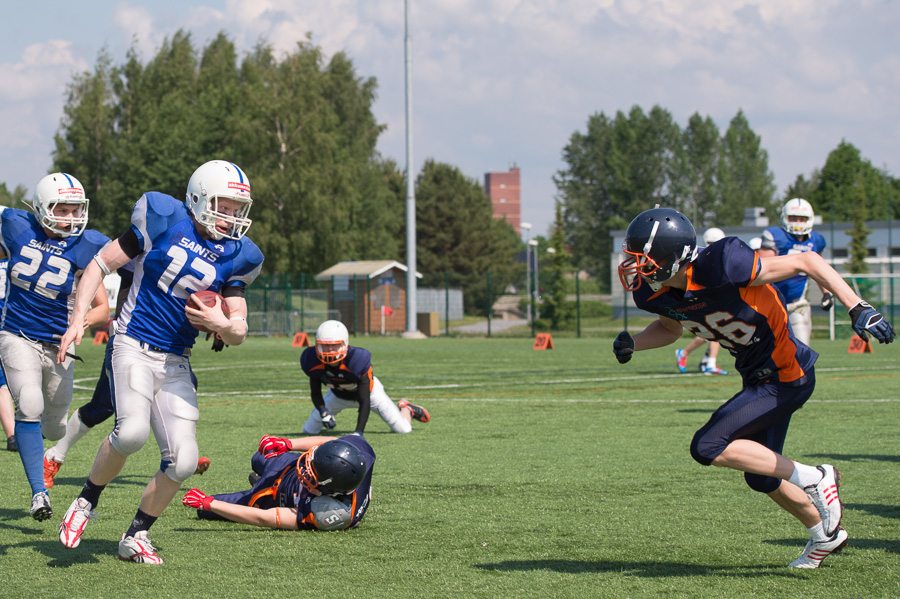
x=744 y=178
x=15 y=198
x=556 y=309
x=859 y=234
x=85 y=142
x=615 y=170
x=699 y=167
x=847 y=179
x=456 y=233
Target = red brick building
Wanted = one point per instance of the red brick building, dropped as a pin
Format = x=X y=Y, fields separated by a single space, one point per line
x=504 y=191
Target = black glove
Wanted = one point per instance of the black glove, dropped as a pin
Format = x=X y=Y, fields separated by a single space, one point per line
x=218 y=342
x=623 y=347
x=827 y=301
x=327 y=419
x=865 y=319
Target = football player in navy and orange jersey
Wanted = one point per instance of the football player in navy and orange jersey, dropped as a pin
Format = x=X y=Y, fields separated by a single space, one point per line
x=347 y=372
x=327 y=487
x=48 y=249
x=178 y=248
x=796 y=236
x=724 y=293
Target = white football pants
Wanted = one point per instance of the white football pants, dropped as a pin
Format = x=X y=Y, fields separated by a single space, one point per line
x=380 y=403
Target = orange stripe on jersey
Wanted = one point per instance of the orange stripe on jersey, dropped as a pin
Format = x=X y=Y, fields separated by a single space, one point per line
x=691 y=285
x=318 y=366
x=371 y=379
x=764 y=299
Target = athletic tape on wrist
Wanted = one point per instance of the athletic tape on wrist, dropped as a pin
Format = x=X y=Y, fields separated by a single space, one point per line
x=102 y=265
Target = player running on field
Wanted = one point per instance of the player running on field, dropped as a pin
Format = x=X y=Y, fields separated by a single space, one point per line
x=100 y=407
x=328 y=487
x=724 y=293
x=180 y=248
x=47 y=250
x=347 y=372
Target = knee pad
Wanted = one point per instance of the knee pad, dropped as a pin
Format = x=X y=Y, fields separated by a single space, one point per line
x=130 y=435
x=762 y=484
x=30 y=403
x=704 y=450
x=184 y=463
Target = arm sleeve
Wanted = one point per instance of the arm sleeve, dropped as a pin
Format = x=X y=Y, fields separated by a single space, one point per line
x=130 y=244
x=365 y=400
x=315 y=391
x=234 y=291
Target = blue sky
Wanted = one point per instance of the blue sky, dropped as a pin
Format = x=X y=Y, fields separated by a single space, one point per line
x=497 y=82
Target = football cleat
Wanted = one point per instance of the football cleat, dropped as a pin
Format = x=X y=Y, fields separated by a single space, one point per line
x=418 y=412
x=816 y=551
x=202 y=465
x=714 y=370
x=50 y=470
x=138 y=549
x=40 y=506
x=11 y=444
x=825 y=496
x=254 y=478
x=681 y=360
x=74 y=521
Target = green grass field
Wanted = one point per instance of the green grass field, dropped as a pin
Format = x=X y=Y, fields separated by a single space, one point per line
x=542 y=474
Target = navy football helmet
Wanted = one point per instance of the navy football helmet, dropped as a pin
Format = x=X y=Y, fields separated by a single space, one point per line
x=332 y=468
x=658 y=242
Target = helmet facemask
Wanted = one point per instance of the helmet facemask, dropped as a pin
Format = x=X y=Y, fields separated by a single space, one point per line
x=55 y=190
x=793 y=210
x=669 y=242
x=215 y=181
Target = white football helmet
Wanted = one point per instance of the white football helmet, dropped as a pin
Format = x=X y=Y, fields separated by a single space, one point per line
x=712 y=235
x=214 y=180
x=55 y=189
x=798 y=207
x=332 y=341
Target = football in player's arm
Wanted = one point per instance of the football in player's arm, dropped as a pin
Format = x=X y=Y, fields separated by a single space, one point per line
x=327 y=487
x=723 y=293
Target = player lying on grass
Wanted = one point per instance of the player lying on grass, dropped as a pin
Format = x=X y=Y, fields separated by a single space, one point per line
x=723 y=293
x=327 y=487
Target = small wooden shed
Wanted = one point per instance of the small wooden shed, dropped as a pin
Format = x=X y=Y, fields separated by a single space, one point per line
x=364 y=291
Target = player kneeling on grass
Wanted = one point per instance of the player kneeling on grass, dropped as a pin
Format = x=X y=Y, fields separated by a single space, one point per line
x=347 y=372
x=328 y=487
x=723 y=293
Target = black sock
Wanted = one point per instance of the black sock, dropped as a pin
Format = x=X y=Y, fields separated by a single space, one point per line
x=141 y=522
x=91 y=492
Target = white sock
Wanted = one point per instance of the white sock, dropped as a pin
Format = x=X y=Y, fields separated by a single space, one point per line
x=711 y=363
x=75 y=430
x=817 y=532
x=804 y=476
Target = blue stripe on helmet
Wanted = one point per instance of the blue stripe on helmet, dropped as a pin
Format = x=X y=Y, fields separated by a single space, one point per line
x=239 y=172
x=69 y=179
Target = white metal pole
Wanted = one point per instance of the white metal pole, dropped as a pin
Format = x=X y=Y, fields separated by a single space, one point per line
x=411 y=306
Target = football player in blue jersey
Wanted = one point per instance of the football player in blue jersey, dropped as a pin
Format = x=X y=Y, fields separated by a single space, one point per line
x=179 y=248
x=796 y=235
x=347 y=372
x=7 y=410
x=724 y=293
x=48 y=249
x=327 y=487
x=100 y=407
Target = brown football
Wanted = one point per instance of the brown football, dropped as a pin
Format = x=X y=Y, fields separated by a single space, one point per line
x=208 y=298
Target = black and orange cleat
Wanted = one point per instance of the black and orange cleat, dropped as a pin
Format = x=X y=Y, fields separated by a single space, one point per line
x=418 y=412
x=202 y=465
